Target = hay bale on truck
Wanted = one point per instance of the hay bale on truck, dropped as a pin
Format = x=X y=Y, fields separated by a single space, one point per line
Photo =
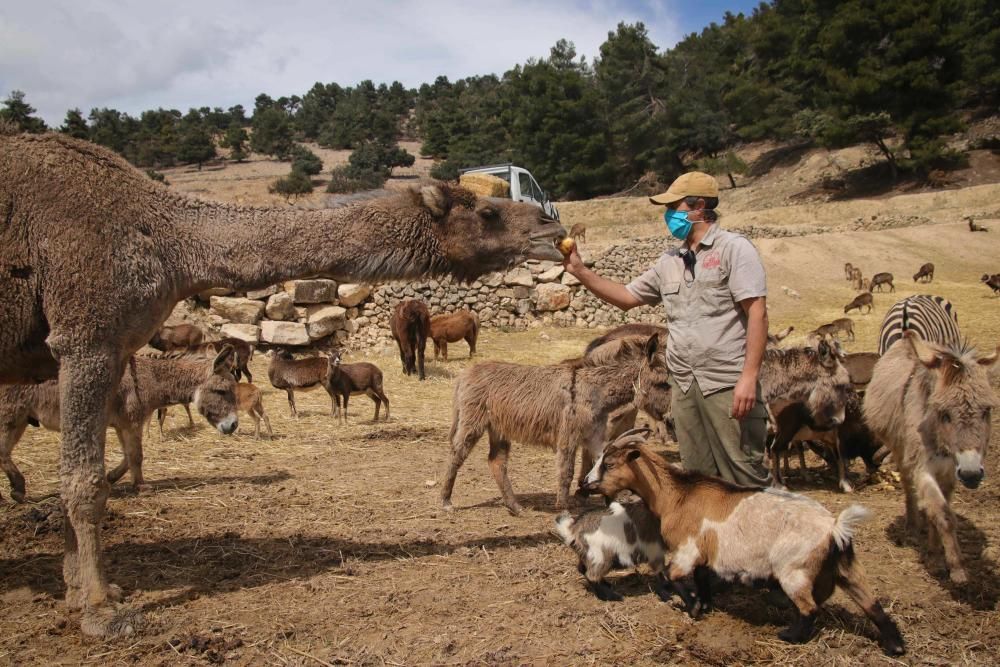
x=486 y=185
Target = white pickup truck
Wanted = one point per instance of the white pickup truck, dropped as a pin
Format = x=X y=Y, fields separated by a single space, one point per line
x=523 y=186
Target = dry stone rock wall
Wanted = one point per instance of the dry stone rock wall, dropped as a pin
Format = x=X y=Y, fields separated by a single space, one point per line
x=303 y=313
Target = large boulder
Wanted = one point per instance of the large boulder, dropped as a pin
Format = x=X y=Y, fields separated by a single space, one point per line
x=237 y=310
x=281 y=306
x=518 y=277
x=552 y=296
x=246 y=332
x=350 y=295
x=324 y=320
x=315 y=291
x=283 y=333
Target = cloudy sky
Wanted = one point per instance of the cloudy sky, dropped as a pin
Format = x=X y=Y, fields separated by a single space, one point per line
x=140 y=55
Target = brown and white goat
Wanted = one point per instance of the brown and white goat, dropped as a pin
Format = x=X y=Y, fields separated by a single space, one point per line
x=453 y=327
x=561 y=406
x=410 y=325
x=346 y=380
x=931 y=404
x=620 y=536
x=291 y=374
x=147 y=384
x=746 y=534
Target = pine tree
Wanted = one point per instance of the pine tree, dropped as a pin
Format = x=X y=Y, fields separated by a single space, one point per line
x=272 y=133
x=75 y=125
x=19 y=112
x=235 y=139
x=195 y=142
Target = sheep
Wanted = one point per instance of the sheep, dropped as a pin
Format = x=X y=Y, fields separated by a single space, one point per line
x=925 y=273
x=880 y=279
x=346 y=380
x=453 y=327
x=992 y=281
x=623 y=535
x=292 y=375
x=248 y=399
x=747 y=534
x=844 y=324
x=861 y=300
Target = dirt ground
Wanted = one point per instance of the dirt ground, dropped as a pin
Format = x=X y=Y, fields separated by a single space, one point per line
x=328 y=546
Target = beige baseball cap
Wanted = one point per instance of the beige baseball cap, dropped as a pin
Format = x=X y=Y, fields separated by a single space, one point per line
x=691 y=184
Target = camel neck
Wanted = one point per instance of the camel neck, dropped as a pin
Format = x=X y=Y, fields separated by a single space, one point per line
x=250 y=248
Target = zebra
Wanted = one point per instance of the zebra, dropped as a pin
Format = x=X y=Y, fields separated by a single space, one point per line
x=933 y=318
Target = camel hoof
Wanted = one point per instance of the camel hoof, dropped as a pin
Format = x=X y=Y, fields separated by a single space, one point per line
x=447 y=506
x=111 y=621
x=959 y=576
x=515 y=509
x=17 y=496
x=846 y=487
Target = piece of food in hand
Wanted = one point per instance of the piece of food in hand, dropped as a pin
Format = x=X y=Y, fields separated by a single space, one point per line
x=566 y=246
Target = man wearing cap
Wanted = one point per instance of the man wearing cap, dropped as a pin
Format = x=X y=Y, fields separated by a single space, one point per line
x=713 y=288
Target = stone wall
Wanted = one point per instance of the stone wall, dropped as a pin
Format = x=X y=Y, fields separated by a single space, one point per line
x=309 y=312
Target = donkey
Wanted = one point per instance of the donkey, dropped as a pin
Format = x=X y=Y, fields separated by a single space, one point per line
x=148 y=383
x=561 y=406
x=410 y=325
x=931 y=404
x=802 y=387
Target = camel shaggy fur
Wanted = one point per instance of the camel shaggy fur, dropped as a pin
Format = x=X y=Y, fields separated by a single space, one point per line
x=148 y=383
x=562 y=406
x=94 y=255
x=931 y=404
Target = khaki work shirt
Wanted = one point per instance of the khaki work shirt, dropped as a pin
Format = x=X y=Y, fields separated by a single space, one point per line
x=708 y=328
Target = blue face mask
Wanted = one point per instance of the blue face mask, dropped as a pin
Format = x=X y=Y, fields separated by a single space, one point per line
x=677 y=223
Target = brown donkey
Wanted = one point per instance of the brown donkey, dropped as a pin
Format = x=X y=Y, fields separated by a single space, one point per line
x=96 y=254
x=149 y=383
x=453 y=327
x=410 y=325
x=562 y=406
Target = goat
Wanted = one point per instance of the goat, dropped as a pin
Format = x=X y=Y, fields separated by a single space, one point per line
x=848 y=271
x=626 y=331
x=561 y=406
x=176 y=337
x=623 y=535
x=453 y=327
x=147 y=384
x=925 y=273
x=746 y=534
x=880 y=279
x=861 y=300
x=578 y=232
x=292 y=375
x=248 y=399
x=842 y=324
x=410 y=325
x=992 y=281
x=346 y=380
x=973 y=227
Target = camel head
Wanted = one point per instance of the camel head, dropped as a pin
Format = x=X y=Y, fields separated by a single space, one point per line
x=478 y=234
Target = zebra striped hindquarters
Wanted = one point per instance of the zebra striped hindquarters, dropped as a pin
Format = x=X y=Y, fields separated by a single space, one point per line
x=933 y=318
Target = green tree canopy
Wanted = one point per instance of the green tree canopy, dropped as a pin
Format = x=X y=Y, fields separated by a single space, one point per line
x=19 y=112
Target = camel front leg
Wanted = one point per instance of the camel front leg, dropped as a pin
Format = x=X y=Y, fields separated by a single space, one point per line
x=8 y=438
x=86 y=381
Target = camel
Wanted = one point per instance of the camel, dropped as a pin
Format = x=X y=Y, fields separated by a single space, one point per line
x=94 y=255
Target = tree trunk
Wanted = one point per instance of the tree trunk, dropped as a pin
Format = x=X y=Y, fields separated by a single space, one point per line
x=732 y=181
x=893 y=167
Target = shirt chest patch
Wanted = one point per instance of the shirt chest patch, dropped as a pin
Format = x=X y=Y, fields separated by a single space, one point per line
x=711 y=260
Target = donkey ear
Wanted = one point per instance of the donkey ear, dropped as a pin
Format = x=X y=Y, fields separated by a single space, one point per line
x=436 y=199
x=927 y=355
x=652 y=345
x=991 y=359
x=225 y=361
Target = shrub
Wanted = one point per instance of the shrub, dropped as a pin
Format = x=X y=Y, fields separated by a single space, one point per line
x=306 y=161
x=292 y=186
x=348 y=179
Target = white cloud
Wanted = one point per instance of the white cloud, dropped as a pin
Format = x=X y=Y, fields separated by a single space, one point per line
x=136 y=56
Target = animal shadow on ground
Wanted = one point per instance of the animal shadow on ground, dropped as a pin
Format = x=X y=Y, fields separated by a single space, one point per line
x=221 y=563
x=125 y=489
x=540 y=502
x=983 y=590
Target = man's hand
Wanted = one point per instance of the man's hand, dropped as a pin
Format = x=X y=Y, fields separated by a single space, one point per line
x=573 y=263
x=744 y=394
